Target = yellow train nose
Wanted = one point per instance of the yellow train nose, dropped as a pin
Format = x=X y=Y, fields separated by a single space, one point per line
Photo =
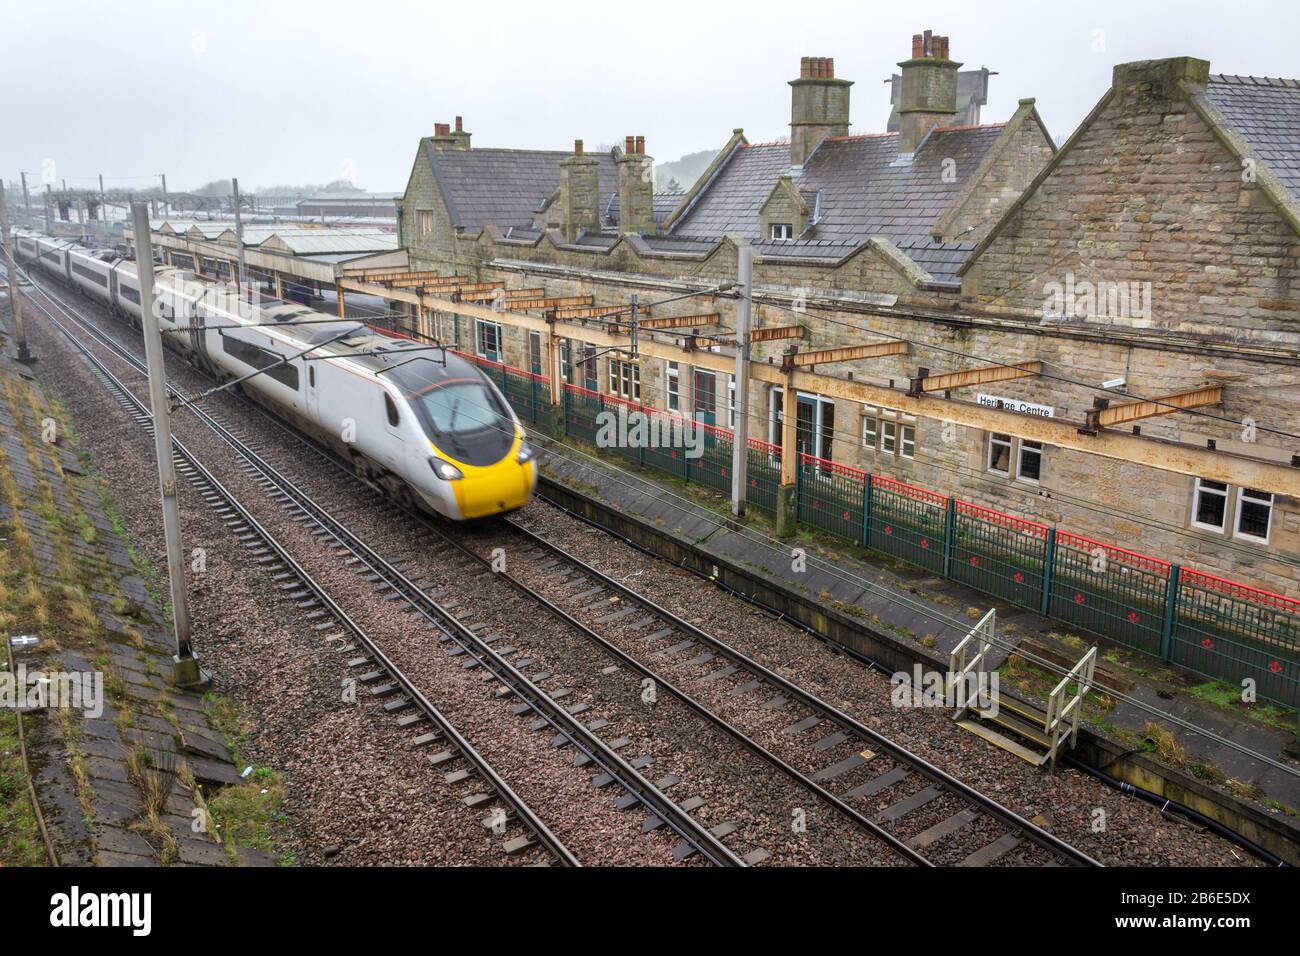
x=504 y=486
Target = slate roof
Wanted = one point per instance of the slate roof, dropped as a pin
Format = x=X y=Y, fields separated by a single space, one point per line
x=1266 y=112
x=504 y=187
x=862 y=190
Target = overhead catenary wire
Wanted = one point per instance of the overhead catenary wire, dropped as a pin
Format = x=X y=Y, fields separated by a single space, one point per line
x=844 y=439
x=774 y=545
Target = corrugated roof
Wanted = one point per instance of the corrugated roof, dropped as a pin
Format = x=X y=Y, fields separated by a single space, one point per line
x=320 y=242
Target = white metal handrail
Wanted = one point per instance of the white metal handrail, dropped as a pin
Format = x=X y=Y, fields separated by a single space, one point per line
x=959 y=667
x=1061 y=711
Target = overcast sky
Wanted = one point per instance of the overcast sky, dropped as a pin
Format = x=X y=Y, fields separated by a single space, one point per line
x=310 y=92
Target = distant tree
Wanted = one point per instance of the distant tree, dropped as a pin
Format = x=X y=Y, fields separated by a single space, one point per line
x=672 y=186
x=341 y=186
x=218 y=187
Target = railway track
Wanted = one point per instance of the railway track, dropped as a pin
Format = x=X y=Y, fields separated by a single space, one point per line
x=483 y=788
x=831 y=746
x=866 y=766
x=386 y=682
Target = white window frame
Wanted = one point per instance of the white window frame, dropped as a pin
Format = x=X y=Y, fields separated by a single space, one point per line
x=889 y=436
x=995 y=441
x=781 y=231
x=870 y=428
x=624 y=379
x=1255 y=498
x=1197 y=490
x=907 y=437
x=731 y=402
x=1020 y=460
x=673 y=389
x=423 y=223
x=480 y=326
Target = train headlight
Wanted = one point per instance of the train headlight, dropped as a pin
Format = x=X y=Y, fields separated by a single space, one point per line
x=526 y=453
x=445 y=470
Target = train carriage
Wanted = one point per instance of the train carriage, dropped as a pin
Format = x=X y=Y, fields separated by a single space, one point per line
x=424 y=423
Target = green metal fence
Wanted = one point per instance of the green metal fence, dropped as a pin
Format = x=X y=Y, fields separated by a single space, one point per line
x=908 y=522
x=997 y=553
x=764 y=473
x=1109 y=590
x=1222 y=628
x=831 y=496
x=1215 y=627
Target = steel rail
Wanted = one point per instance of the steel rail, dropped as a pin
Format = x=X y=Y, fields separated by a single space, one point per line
x=555 y=714
x=846 y=722
x=530 y=819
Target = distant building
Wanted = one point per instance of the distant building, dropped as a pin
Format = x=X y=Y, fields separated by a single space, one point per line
x=349 y=206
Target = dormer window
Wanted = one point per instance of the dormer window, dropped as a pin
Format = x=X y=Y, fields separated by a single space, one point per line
x=781 y=231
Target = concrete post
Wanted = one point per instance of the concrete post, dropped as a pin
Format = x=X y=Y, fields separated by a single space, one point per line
x=11 y=270
x=185 y=666
x=239 y=236
x=740 y=439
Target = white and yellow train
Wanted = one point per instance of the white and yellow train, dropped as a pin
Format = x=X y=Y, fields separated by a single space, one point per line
x=427 y=425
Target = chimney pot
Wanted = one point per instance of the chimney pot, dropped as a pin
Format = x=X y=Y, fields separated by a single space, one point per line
x=805 y=67
x=458 y=124
x=640 y=145
x=830 y=67
x=918 y=46
x=629 y=145
x=577 y=147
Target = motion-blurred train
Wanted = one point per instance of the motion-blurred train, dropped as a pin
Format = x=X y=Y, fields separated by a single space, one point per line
x=426 y=425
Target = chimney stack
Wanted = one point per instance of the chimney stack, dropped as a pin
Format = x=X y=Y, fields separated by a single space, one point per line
x=579 y=193
x=636 y=187
x=819 y=106
x=928 y=97
x=445 y=138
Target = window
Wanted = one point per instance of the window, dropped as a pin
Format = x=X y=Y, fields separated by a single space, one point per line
x=566 y=372
x=487 y=339
x=590 y=371
x=1210 y=504
x=908 y=446
x=257 y=357
x=999 y=461
x=126 y=292
x=424 y=223
x=90 y=274
x=781 y=230
x=535 y=352
x=391 y=408
x=625 y=379
x=705 y=395
x=870 y=428
x=1254 y=514
x=311 y=375
x=731 y=401
x=889 y=436
x=1029 y=463
x=890 y=432
x=673 y=389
